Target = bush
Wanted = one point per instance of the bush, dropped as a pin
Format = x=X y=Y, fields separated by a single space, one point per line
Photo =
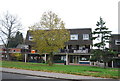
x=18 y=56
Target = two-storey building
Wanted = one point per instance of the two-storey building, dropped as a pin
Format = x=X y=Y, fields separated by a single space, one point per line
x=78 y=47
x=115 y=46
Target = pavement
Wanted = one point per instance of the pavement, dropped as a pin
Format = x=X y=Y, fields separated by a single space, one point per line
x=51 y=74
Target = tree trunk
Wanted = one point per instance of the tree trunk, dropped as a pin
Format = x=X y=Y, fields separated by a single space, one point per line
x=104 y=65
x=8 y=55
x=50 y=59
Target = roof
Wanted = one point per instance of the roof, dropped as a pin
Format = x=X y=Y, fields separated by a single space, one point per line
x=79 y=28
x=116 y=34
x=2 y=46
x=22 y=46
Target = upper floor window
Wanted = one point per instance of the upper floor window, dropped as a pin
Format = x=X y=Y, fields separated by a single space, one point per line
x=74 y=37
x=117 y=42
x=30 y=38
x=85 y=36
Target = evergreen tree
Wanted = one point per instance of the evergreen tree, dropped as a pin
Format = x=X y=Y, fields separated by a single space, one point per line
x=11 y=43
x=18 y=38
x=14 y=41
x=102 y=34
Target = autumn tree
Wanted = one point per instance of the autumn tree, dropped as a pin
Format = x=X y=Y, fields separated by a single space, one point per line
x=9 y=25
x=49 y=34
x=102 y=35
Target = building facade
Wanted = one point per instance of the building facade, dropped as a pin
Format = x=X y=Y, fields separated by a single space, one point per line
x=20 y=49
x=115 y=42
x=115 y=46
x=77 y=48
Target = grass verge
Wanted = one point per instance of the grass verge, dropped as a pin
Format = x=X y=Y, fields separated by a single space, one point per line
x=68 y=69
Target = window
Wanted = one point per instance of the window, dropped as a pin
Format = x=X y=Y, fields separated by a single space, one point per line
x=74 y=37
x=117 y=42
x=85 y=36
x=13 y=50
x=30 y=38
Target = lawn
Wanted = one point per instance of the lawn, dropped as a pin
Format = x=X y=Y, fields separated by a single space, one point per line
x=68 y=69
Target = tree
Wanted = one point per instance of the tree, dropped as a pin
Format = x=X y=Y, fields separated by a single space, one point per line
x=9 y=25
x=102 y=35
x=49 y=35
x=18 y=39
x=11 y=43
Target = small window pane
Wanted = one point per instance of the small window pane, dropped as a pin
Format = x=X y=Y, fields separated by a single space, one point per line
x=117 y=42
x=85 y=36
x=74 y=37
x=30 y=38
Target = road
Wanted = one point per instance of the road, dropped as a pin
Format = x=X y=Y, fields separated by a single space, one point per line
x=20 y=77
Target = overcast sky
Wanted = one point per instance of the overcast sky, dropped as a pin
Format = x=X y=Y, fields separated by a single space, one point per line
x=75 y=13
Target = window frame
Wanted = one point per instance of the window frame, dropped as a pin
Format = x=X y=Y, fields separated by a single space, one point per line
x=86 y=36
x=118 y=40
x=30 y=38
x=74 y=35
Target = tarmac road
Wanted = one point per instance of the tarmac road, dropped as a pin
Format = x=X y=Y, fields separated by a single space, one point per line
x=28 y=75
x=20 y=77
